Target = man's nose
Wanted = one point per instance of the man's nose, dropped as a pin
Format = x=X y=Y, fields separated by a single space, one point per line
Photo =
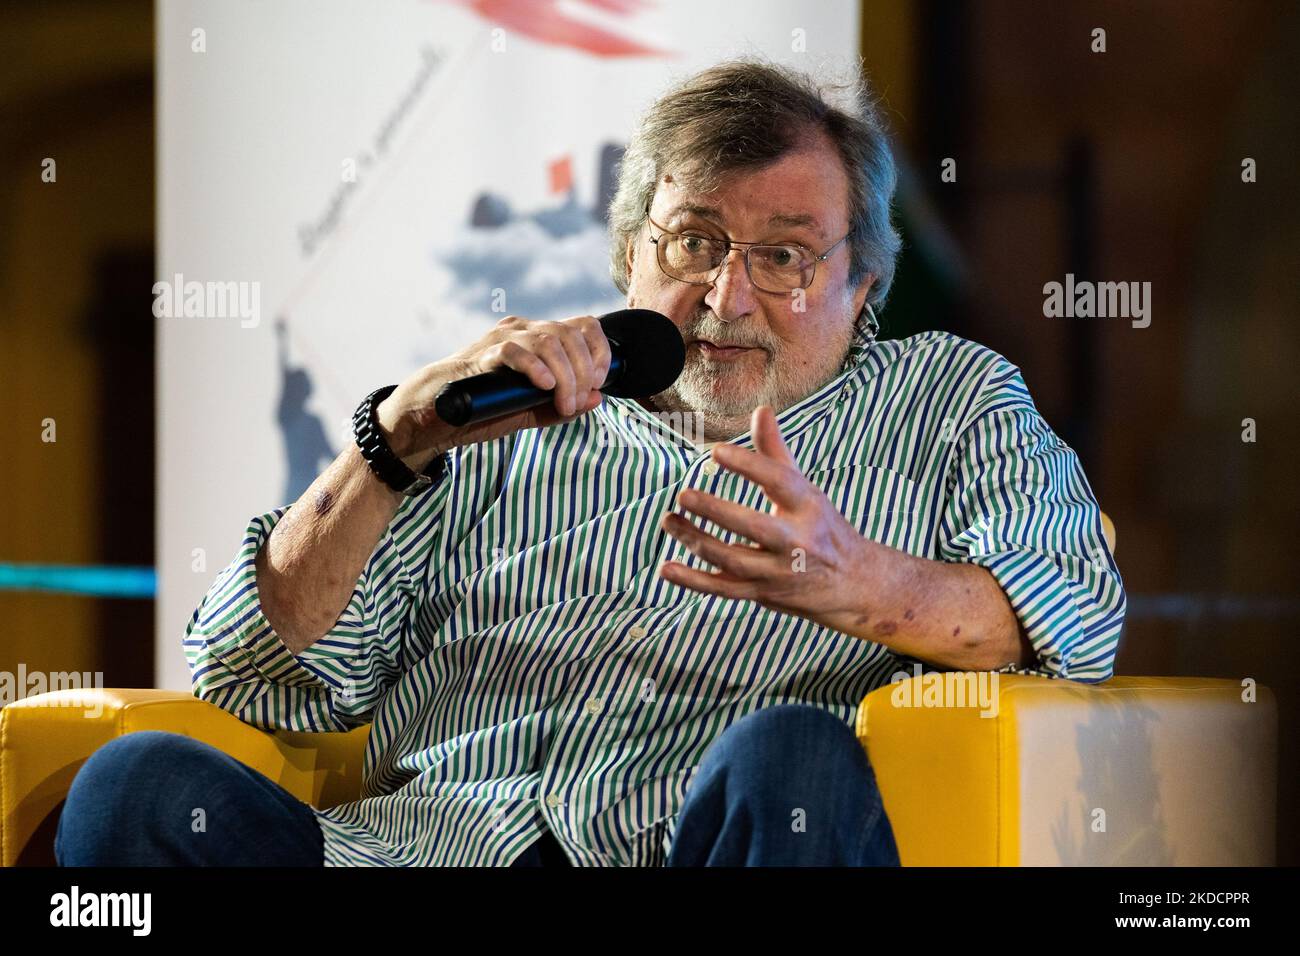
x=732 y=295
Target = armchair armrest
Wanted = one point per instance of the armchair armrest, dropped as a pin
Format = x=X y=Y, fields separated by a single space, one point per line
x=1135 y=771
x=45 y=739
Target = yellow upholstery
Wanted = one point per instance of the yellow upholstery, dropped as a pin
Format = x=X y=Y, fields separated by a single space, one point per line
x=1182 y=768
x=43 y=743
x=1137 y=771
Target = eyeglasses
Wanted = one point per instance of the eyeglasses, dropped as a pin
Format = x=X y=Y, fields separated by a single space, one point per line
x=698 y=260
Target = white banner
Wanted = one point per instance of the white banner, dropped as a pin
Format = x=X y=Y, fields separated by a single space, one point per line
x=346 y=192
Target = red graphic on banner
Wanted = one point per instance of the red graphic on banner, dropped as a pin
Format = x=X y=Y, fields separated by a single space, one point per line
x=561 y=175
x=546 y=22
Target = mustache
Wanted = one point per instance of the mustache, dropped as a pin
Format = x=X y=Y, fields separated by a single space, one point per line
x=705 y=325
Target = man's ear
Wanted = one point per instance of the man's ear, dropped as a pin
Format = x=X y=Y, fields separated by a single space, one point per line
x=863 y=290
x=629 y=256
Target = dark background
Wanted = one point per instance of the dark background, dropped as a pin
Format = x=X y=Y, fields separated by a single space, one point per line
x=1119 y=166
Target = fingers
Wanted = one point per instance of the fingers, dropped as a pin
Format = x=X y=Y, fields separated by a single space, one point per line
x=709 y=582
x=738 y=560
x=763 y=529
x=781 y=481
x=767 y=436
x=551 y=348
x=593 y=399
x=569 y=358
x=580 y=361
x=598 y=346
x=771 y=465
x=514 y=356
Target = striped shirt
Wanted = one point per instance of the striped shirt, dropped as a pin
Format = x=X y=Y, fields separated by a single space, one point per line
x=524 y=667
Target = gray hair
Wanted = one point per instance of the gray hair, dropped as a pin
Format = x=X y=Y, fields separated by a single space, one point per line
x=743 y=114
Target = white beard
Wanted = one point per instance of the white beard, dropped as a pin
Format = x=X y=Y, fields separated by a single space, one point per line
x=716 y=413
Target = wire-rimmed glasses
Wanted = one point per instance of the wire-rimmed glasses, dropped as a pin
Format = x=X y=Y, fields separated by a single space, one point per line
x=697 y=259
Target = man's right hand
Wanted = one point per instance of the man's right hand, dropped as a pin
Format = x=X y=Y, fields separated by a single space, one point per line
x=570 y=356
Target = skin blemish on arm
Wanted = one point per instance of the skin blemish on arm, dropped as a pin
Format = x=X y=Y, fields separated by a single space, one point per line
x=908 y=614
x=956 y=630
x=886 y=627
x=324 y=502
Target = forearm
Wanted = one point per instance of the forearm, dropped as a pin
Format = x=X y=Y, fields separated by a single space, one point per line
x=310 y=564
x=951 y=615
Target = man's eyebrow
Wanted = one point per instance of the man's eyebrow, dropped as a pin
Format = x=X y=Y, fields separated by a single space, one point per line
x=795 y=220
x=788 y=219
x=690 y=208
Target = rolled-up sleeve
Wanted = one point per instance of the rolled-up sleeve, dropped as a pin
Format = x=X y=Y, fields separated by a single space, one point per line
x=238 y=662
x=1019 y=505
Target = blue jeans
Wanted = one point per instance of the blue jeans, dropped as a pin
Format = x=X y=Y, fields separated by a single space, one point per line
x=785 y=786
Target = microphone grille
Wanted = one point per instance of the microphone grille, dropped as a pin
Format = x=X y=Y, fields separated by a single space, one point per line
x=651 y=348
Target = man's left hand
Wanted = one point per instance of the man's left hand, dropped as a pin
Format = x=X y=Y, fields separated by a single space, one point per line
x=804 y=557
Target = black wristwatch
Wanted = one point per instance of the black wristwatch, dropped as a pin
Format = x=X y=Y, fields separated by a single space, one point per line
x=374 y=449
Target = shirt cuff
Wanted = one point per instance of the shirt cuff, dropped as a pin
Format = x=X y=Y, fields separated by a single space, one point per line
x=1046 y=601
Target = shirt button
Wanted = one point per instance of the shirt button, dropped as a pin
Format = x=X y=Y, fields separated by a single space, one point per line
x=593 y=705
x=710 y=468
x=552 y=799
x=637 y=631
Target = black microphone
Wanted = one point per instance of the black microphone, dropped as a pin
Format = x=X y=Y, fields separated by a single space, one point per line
x=646 y=356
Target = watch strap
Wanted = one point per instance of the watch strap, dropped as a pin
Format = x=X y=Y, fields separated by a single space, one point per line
x=390 y=469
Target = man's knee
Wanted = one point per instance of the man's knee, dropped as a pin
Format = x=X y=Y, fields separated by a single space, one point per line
x=115 y=795
x=786 y=785
x=124 y=762
x=791 y=745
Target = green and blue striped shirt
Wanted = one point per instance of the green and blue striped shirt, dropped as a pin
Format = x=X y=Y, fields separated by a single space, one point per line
x=524 y=666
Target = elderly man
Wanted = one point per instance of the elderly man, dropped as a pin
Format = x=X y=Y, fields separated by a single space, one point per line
x=609 y=632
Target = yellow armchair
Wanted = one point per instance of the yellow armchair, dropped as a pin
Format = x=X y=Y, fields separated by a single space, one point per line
x=1136 y=771
x=46 y=738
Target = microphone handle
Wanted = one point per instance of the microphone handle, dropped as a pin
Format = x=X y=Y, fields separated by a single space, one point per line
x=498 y=392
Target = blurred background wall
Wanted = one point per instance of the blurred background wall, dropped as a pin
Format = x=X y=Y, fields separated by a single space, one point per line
x=1127 y=166
x=76 y=330
x=1115 y=166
